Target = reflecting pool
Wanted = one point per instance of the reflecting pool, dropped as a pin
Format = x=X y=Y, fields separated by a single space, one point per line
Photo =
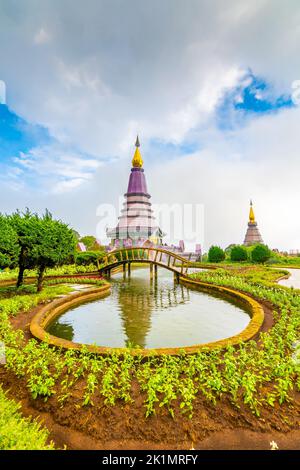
x=152 y=314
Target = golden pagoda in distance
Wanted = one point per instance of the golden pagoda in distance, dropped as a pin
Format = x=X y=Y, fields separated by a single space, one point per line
x=253 y=235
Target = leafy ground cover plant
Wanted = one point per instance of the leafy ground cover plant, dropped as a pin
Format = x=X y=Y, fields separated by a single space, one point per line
x=255 y=376
x=17 y=432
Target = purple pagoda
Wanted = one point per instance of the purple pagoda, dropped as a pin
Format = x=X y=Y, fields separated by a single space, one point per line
x=137 y=225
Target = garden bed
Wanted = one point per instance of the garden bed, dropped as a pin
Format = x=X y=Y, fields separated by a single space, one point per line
x=240 y=398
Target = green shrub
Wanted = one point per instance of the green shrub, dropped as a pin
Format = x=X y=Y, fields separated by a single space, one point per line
x=70 y=269
x=216 y=254
x=286 y=260
x=275 y=261
x=260 y=253
x=9 y=248
x=238 y=253
x=18 y=433
x=88 y=257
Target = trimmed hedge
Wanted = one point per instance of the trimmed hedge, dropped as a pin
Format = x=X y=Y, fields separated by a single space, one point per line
x=238 y=253
x=260 y=253
x=88 y=257
x=216 y=254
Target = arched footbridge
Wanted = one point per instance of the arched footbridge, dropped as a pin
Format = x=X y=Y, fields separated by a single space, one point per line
x=153 y=256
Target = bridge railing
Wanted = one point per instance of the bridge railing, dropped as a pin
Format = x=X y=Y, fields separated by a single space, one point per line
x=158 y=256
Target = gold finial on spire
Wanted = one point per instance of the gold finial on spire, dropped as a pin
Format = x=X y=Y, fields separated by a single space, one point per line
x=251 y=213
x=137 y=161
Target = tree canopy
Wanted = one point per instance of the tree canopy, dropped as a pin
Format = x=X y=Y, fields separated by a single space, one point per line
x=216 y=254
x=238 y=253
x=260 y=253
x=25 y=225
x=54 y=244
x=9 y=247
x=33 y=242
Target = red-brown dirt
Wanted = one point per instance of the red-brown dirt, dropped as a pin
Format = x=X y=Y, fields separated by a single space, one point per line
x=125 y=426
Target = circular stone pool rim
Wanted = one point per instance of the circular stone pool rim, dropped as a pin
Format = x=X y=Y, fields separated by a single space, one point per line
x=49 y=312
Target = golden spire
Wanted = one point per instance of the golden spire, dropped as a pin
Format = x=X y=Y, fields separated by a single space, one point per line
x=137 y=161
x=251 y=214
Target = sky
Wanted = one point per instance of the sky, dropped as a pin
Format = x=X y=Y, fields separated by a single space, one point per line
x=211 y=87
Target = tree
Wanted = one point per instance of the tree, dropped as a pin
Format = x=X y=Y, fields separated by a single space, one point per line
x=54 y=245
x=238 y=253
x=76 y=234
x=9 y=247
x=43 y=242
x=216 y=254
x=25 y=225
x=260 y=253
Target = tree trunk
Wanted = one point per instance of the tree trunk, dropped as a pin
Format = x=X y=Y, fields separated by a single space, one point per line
x=20 y=276
x=21 y=268
x=40 y=278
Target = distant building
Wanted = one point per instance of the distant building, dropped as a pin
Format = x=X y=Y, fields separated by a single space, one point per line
x=81 y=246
x=294 y=252
x=253 y=235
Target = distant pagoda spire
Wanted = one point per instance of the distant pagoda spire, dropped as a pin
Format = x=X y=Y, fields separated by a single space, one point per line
x=253 y=235
x=137 y=161
x=251 y=213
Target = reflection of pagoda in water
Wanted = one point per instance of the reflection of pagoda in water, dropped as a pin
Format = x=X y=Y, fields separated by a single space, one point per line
x=137 y=304
x=61 y=329
x=252 y=235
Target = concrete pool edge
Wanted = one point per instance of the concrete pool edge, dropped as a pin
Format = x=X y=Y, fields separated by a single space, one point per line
x=48 y=313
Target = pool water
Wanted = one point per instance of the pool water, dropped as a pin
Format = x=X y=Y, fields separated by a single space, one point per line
x=151 y=314
x=293 y=280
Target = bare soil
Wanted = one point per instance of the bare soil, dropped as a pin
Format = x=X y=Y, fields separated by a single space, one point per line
x=125 y=426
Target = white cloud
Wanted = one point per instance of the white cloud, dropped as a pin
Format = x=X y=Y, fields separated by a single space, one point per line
x=67 y=185
x=199 y=110
x=260 y=161
x=42 y=36
x=59 y=169
x=157 y=68
x=2 y=92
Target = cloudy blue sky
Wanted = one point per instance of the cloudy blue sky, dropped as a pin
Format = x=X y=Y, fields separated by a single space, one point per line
x=208 y=85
